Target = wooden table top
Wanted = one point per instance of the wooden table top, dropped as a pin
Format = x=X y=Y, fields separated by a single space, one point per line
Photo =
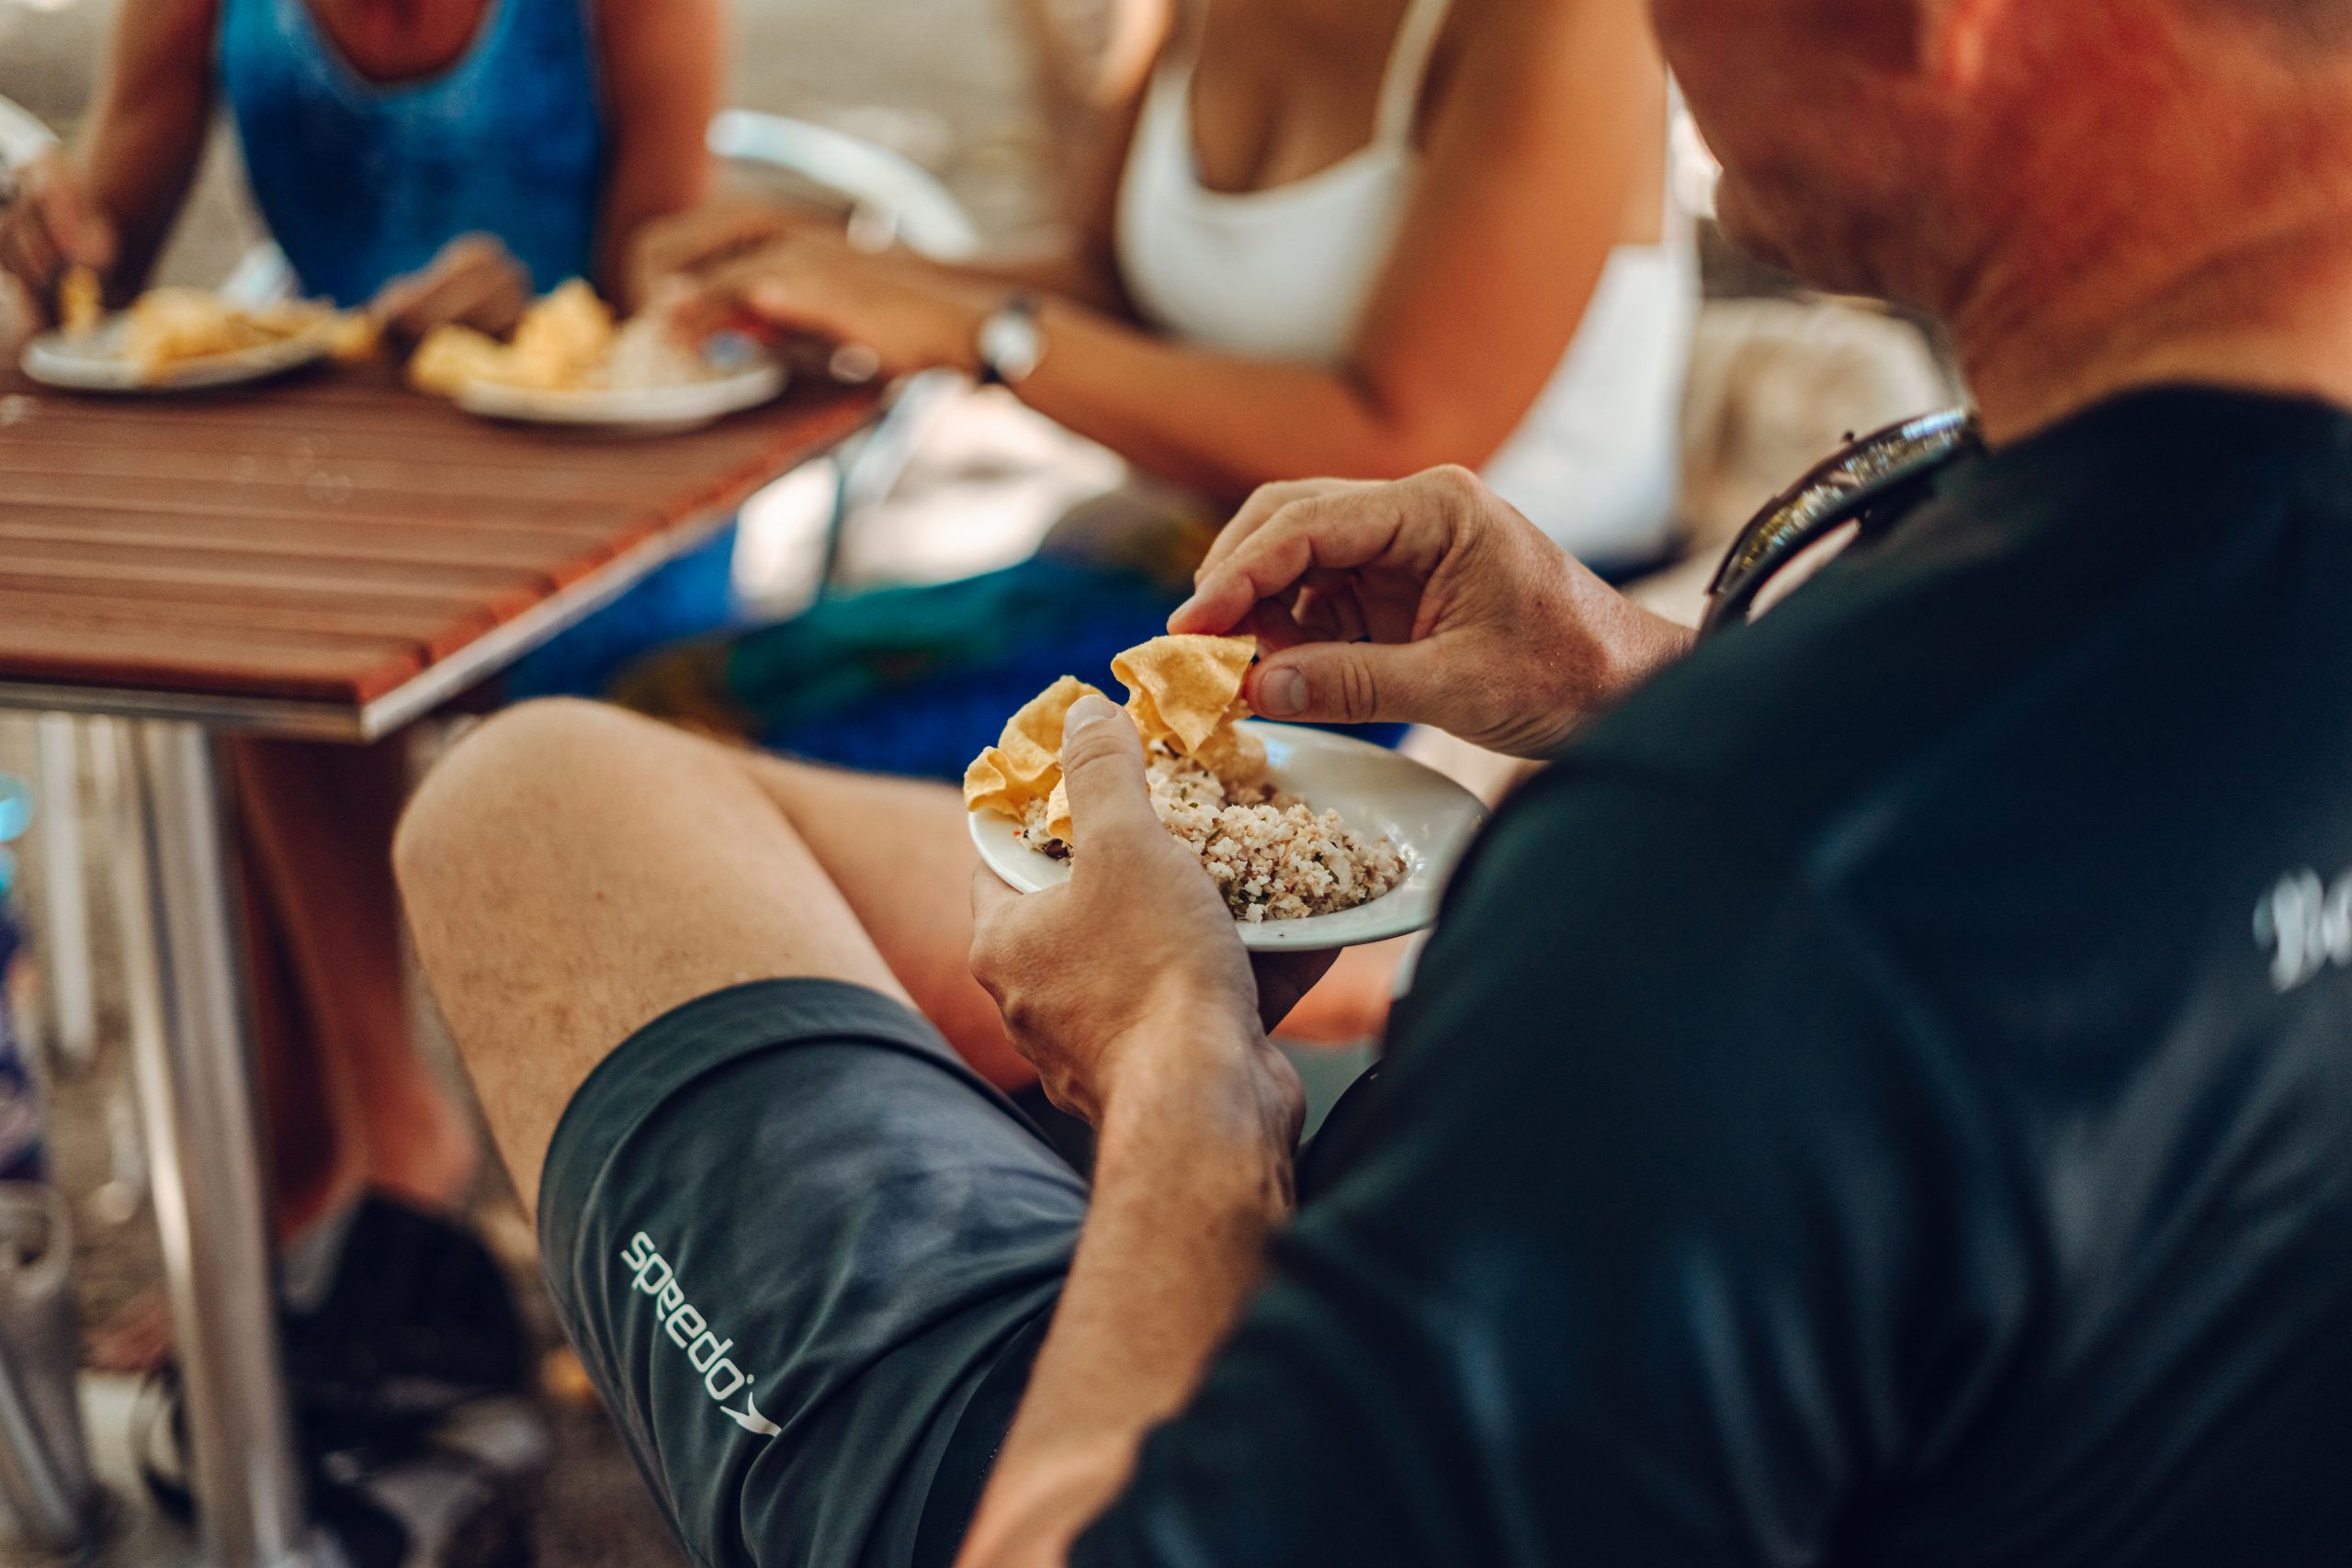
x=328 y=539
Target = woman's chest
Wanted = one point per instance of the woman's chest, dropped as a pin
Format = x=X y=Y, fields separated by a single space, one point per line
x=388 y=41
x=1280 y=93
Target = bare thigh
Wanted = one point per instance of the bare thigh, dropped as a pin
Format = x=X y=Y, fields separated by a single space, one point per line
x=900 y=852
x=572 y=872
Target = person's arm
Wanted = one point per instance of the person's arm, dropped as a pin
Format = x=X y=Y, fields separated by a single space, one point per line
x=1131 y=994
x=147 y=132
x=1659 y=1240
x=705 y=243
x=1545 y=119
x=661 y=78
x=111 y=206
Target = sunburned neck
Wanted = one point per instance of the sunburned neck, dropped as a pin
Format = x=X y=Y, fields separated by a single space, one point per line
x=2272 y=314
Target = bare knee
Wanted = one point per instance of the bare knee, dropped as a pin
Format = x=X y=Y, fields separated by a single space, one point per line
x=516 y=766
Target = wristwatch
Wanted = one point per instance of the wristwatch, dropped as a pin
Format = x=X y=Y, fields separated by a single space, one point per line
x=1009 y=344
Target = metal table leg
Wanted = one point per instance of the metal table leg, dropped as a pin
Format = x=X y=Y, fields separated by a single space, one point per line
x=197 y=1101
x=65 y=929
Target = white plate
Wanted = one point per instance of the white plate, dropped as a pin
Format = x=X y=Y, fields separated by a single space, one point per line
x=639 y=411
x=95 y=362
x=1428 y=817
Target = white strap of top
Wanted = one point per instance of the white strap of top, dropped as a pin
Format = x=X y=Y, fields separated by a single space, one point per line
x=1409 y=63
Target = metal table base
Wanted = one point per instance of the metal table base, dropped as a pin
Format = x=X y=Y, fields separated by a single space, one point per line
x=197 y=1100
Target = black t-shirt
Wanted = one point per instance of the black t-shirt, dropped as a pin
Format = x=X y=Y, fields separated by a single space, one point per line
x=1885 y=1096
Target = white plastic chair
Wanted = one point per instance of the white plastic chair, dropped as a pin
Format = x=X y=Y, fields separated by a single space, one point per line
x=891 y=197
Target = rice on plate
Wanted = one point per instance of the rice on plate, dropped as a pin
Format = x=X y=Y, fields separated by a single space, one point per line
x=1271 y=855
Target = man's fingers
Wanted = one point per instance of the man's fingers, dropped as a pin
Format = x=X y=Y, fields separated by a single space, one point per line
x=1110 y=803
x=1335 y=532
x=992 y=904
x=1347 y=683
x=1264 y=502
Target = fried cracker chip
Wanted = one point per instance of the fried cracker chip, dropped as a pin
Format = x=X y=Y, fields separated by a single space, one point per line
x=562 y=341
x=1239 y=759
x=450 y=357
x=1184 y=689
x=170 y=326
x=1024 y=764
x=1058 y=822
x=80 y=303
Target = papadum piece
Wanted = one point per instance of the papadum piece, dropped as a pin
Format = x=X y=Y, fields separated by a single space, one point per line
x=562 y=341
x=1025 y=763
x=452 y=355
x=1184 y=689
x=170 y=326
x=81 y=303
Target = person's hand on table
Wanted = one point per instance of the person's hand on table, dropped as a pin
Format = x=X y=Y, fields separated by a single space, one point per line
x=50 y=227
x=685 y=244
x=474 y=282
x=1424 y=600
x=1133 y=975
x=909 y=314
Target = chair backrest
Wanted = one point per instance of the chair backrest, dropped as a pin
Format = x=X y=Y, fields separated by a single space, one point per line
x=886 y=189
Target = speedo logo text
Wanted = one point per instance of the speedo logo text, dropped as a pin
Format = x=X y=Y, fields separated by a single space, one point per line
x=684 y=1326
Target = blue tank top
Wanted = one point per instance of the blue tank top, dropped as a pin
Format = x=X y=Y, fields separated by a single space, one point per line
x=361 y=183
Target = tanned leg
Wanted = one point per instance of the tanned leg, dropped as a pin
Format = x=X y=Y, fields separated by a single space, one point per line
x=572 y=872
x=321 y=820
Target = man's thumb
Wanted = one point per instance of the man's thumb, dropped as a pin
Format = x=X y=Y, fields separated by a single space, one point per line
x=1344 y=683
x=1103 y=770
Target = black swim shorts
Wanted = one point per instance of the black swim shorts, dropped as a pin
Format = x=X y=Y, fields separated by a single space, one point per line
x=807 y=1257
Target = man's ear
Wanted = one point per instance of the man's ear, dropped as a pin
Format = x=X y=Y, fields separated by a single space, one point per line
x=1956 y=39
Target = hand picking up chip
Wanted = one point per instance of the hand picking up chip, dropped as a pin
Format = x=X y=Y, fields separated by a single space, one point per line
x=1271 y=856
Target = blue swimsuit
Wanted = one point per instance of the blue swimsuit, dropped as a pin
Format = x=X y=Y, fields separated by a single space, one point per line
x=360 y=183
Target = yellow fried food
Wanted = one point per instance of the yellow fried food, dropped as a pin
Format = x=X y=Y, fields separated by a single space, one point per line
x=564 y=340
x=348 y=335
x=451 y=356
x=1024 y=765
x=1183 y=690
x=80 y=303
x=562 y=345
x=1058 y=821
x=1237 y=758
x=170 y=326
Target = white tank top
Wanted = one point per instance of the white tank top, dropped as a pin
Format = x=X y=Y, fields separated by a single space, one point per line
x=1287 y=273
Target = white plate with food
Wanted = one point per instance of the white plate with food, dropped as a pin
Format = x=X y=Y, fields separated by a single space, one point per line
x=180 y=340
x=1317 y=841
x=641 y=410
x=570 y=365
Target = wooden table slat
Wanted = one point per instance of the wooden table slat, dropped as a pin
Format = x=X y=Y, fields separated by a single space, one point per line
x=428 y=627
x=252 y=663
x=562 y=556
x=604 y=522
x=99 y=558
x=327 y=539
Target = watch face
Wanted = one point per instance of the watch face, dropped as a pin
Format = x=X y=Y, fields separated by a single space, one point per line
x=1011 y=344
